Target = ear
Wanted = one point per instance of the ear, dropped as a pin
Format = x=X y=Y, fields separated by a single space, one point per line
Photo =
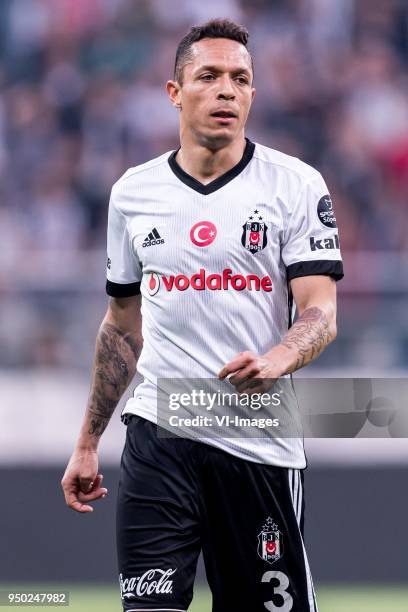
x=174 y=90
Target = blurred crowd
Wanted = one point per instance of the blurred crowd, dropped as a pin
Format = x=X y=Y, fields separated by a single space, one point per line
x=82 y=99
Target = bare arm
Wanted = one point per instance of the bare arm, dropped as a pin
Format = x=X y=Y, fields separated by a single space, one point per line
x=118 y=345
x=315 y=328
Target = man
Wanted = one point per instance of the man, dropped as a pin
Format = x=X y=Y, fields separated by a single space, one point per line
x=207 y=245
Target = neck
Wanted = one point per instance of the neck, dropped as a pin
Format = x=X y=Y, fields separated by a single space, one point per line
x=206 y=165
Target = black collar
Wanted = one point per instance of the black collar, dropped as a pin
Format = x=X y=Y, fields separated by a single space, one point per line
x=218 y=182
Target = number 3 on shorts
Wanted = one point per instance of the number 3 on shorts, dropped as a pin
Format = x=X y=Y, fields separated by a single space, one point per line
x=279 y=590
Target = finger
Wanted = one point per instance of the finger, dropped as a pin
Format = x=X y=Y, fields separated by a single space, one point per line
x=82 y=508
x=97 y=486
x=92 y=496
x=74 y=503
x=86 y=482
x=250 y=392
x=240 y=361
x=254 y=385
x=257 y=385
x=96 y=483
x=84 y=498
x=245 y=374
x=263 y=383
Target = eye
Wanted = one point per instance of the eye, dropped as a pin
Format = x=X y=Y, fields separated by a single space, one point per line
x=207 y=77
x=242 y=80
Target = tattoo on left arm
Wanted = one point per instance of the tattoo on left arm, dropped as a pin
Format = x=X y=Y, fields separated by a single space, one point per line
x=309 y=336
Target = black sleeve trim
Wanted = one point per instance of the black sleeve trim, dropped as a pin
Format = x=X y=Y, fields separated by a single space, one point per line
x=327 y=267
x=120 y=291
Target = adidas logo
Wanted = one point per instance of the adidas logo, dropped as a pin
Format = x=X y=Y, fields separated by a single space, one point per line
x=152 y=238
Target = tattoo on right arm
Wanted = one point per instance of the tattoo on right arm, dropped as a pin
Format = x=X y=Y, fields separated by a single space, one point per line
x=116 y=356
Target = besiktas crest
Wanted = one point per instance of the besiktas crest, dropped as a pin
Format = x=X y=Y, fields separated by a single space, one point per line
x=253 y=237
x=270 y=543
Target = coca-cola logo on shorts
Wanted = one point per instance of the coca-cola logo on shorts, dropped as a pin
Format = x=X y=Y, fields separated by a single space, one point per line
x=153 y=581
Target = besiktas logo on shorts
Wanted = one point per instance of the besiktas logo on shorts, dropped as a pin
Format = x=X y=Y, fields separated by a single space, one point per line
x=270 y=544
x=153 y=581
x=253 y=237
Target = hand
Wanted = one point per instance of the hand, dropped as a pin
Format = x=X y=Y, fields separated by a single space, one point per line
x=251 y=373
x=81 y=482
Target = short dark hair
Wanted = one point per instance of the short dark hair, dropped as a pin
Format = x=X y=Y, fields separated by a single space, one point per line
x=215 y=28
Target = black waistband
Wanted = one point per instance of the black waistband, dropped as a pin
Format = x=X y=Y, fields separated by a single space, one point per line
x=126 y=418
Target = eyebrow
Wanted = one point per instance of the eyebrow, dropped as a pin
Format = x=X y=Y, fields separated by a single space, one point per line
x=240 y=70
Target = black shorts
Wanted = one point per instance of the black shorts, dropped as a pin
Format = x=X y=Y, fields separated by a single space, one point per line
x=178 y=497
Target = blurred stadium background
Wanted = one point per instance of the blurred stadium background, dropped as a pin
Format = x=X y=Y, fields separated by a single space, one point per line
x=82 y=98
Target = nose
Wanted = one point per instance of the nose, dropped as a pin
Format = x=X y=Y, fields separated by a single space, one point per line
x=226 y=91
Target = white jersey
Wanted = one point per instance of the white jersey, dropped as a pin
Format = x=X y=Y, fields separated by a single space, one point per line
x=212 y=263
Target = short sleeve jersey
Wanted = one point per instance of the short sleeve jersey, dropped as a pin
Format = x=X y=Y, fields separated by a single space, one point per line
x=213 y=264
